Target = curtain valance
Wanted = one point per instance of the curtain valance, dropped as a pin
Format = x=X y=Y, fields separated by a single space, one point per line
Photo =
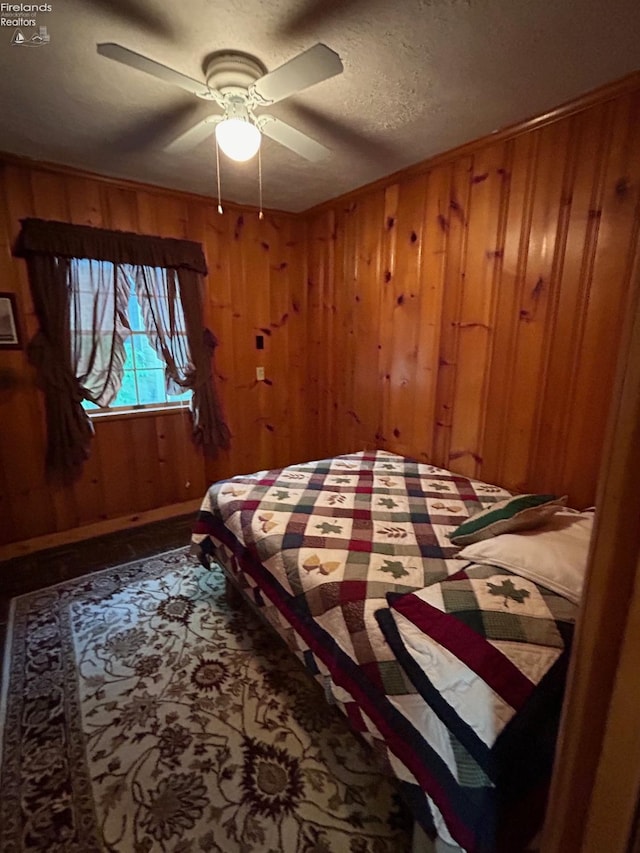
x=63 y=240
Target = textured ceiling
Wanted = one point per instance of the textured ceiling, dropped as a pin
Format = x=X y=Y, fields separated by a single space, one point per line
x=421 y=76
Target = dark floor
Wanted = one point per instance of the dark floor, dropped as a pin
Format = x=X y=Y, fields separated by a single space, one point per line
x=44 y=568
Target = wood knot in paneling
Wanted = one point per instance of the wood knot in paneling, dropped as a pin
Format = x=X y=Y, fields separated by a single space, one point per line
x=478 y=179
x=457 y=209
x=443 y=223
x=536 y=293
x=623 y=185
x=464 y=325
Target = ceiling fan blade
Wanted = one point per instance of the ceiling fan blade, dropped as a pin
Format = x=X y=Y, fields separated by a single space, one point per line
x=291 y=138
x=150 y=131
x=155 y=69
x=133 y=14
x=316 y=64
x=194 y=136
x=309 y=16
x=346 y=132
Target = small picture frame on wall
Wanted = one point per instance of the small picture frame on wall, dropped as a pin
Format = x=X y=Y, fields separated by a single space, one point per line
x=9 y=329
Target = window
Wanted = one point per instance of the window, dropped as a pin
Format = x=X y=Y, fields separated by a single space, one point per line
x=143 y=381
x=121 y=324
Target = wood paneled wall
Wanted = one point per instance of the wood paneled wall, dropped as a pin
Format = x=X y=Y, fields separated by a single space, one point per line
x=466 y=313
x=469 y=314
x=255 y=286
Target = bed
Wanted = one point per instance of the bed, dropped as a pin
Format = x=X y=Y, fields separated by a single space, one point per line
x=452 y=669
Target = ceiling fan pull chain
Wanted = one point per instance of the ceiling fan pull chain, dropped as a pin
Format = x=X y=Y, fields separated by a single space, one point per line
x=260 y=214
x=218 y=176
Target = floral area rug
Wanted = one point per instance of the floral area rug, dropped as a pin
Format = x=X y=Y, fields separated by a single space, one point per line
x=142 y=714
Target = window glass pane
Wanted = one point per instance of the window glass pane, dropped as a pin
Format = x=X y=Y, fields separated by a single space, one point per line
x=151 y=386
x=176 y=398
x=87 y=404
x=127 y=393
x=145 y=355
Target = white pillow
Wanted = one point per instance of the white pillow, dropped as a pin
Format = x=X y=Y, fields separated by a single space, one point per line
x=554 y=556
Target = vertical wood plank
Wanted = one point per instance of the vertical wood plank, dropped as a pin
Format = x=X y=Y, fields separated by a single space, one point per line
x=484 y=249
x=407 y=289
x=431 y=297
x=320 y=238
x=538 y=284
x=521 y=159
x=388 y=243
x=452 y=220
x=343 y=367
x=363 y=405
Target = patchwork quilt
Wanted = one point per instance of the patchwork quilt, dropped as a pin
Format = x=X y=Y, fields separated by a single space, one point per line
x=340 y=554
x=488 y=651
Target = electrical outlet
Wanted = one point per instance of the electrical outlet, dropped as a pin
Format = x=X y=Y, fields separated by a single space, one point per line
x=260 y=374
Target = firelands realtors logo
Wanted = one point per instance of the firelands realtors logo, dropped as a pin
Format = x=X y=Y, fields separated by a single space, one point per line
x=28 y=31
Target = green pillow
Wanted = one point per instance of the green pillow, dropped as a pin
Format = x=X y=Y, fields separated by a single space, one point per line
x=521 y=512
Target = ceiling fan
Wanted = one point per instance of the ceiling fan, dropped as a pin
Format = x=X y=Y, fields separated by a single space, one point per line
x=239 y=85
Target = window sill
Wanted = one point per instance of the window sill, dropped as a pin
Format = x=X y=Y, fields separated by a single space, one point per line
x=146 y=412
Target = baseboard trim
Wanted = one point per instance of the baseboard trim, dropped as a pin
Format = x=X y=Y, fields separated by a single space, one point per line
x=99 y=528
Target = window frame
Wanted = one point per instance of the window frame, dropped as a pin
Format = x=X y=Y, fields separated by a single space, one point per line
x=99 y=412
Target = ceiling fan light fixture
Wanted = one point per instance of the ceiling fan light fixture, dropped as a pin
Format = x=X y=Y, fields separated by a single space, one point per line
x=238 y=138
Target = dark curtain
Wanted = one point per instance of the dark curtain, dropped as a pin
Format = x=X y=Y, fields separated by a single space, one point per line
x=69 y=430
x=79 y=282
